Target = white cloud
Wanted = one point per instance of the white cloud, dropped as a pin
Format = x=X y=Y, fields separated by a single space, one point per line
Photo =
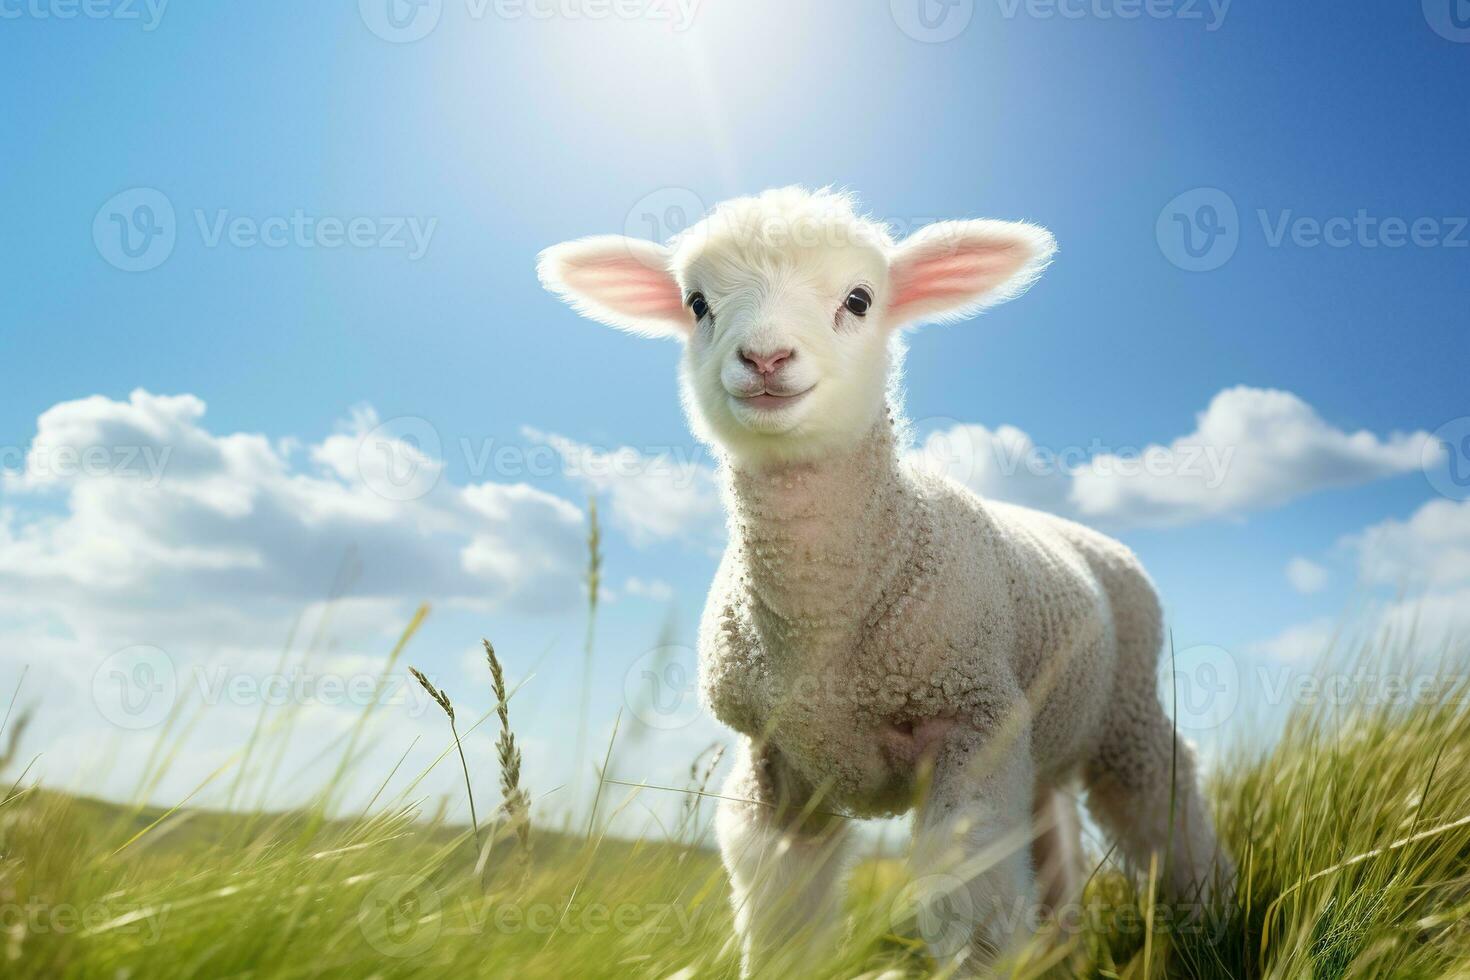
x=1431 y=549
x=1251 y=449
x=233 y=522
x=654 y=494
x=1420 y=567
x=1306 y=576
x=1430 y=620
x=1303 y=642
x=656 y=589
x=1427 y=558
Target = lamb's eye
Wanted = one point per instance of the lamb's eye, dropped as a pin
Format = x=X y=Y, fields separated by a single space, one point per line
x=698 y=306
x=858 y=301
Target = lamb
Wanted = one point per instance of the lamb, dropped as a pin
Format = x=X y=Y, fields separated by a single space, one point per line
x=882 y=639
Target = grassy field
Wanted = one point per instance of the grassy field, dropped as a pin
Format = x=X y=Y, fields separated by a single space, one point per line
x=1352 y=833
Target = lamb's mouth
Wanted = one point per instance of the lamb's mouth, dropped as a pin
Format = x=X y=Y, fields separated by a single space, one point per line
x=769 y=400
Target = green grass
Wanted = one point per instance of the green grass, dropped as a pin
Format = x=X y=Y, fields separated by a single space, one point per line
x=1352 y=833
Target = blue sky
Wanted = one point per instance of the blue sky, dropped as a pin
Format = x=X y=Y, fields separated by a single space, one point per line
x=499 y=133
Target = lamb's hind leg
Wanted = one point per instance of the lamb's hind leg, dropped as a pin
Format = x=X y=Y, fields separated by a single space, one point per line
x=1056 y=852
x=1141 y=772
x=785 y=860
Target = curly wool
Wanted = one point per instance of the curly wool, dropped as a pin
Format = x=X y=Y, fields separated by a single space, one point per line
x=860 y=600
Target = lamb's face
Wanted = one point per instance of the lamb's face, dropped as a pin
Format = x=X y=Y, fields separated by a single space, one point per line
x=788 y=303
x=789 y=353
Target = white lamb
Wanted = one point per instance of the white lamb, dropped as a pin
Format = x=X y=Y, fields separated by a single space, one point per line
x=883 y=639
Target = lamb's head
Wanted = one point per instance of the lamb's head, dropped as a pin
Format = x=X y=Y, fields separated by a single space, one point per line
x=788 y=304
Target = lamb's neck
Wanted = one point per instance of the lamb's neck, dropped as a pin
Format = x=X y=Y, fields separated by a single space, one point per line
x=821 y=541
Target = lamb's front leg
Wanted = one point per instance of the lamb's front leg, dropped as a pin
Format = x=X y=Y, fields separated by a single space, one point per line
x=973 y=884
x=786 y=859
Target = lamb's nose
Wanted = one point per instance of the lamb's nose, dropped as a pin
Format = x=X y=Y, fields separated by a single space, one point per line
x=766 y=363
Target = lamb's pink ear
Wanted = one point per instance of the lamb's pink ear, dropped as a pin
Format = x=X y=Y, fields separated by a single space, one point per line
x=953 y=269
x=624 y=282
